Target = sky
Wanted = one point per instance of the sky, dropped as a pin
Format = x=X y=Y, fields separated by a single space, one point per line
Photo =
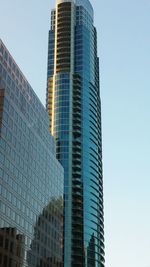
x=124 y=51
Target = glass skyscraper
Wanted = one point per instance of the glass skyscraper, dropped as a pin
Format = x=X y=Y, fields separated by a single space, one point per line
x=31 y=178
x=74 y=107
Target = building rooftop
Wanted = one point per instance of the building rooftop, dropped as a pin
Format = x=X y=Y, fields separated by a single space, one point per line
x=85 y=3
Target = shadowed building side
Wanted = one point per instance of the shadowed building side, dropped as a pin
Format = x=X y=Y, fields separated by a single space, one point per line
x=31 y=178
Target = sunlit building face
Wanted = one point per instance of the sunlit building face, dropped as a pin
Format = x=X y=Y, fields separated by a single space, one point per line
x=74 y=107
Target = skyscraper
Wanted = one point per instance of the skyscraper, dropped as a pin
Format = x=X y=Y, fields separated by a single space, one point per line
x=31 y=178
x=74 y=107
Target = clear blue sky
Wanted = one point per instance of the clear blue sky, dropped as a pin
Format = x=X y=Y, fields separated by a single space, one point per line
x=124 y=49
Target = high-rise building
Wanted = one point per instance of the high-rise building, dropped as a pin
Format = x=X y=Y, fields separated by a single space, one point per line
x=74 y=107
x=31 y=178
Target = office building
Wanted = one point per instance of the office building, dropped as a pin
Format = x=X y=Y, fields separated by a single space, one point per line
x=31 y=178
x=74 y=107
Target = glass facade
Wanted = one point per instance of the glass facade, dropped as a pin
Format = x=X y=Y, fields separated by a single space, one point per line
x=74 y=107
x=31 y=178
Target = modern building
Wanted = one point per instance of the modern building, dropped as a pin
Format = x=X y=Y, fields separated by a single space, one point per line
x=74 y=107
x=31 y=178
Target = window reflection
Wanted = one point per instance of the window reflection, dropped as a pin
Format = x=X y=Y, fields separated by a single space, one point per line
x=91 y=252
x=12 y=247
x=47 y=243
